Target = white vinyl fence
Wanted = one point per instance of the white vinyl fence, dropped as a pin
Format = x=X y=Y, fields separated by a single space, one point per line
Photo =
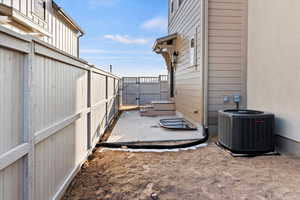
x=143 y=90
x=53 y=110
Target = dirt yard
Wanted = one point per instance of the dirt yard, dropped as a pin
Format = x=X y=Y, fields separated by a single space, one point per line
x=206 y=173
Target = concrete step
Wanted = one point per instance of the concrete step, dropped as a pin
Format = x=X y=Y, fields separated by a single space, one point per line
x=158 y=108
x=163 y=105
x=154 y=113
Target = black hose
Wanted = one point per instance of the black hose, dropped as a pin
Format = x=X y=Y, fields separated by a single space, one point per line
x=150 y=146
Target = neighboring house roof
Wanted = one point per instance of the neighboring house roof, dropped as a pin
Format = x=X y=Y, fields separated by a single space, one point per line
x=67 y=17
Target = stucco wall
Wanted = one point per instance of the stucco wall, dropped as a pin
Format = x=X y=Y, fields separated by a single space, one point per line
x=274 y=62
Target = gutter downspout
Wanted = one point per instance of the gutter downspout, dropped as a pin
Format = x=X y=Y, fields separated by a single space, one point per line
x=204 y=11
x=78 y=44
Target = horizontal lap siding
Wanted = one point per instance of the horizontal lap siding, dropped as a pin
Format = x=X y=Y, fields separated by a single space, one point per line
x=227 y=54
x=188 y=79
x=11 y=129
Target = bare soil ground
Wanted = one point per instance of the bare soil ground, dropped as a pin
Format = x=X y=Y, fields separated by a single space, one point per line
x=206 y=173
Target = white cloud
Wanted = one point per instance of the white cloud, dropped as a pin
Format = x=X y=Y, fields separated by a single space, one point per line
x=125 y=39
x=160 y=23
x=92 y=51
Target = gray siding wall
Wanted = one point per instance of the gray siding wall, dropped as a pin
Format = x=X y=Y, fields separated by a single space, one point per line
x=227 y=27
x=62 y=35
x=226 y=51
x=186 y=21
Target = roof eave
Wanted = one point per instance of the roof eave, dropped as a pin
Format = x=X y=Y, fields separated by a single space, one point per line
x=68 y=17
x=164 y=39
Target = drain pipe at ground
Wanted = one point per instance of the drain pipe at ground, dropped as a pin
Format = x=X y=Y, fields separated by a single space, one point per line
x=150 y=146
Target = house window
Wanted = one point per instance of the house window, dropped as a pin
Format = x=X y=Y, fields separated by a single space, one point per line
x=40 y=8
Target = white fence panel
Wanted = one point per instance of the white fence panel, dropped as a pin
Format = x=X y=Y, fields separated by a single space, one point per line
x=11 y=181
x=11 y=92
x=53 y=110
x=11 y=121
x=59 y=91
x=98 y=96
x=57 y=157
x=110 y=98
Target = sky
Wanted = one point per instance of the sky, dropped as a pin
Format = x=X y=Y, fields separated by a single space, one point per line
x=121 y=33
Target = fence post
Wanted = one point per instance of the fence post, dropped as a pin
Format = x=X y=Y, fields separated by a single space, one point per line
x=89 y=105
x=28 y=135
x=139 y=91
x=114 y=98
x=122 y=92
x=119 y=94
x=106 y=101
x=160 y=91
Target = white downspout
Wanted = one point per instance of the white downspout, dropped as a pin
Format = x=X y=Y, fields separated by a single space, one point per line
x=205 y=60
x=78 y=44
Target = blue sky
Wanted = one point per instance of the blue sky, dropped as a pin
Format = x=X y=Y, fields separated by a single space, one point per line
x=121 y=33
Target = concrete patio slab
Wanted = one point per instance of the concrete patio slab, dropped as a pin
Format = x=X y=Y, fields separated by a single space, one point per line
x=131 y=127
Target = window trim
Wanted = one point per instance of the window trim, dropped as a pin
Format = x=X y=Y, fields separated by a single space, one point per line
x=44 y=7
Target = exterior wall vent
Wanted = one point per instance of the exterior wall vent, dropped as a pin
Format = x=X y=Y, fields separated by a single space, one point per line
x=246 y=131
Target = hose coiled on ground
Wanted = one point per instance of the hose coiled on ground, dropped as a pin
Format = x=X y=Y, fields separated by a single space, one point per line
x=156 y=146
